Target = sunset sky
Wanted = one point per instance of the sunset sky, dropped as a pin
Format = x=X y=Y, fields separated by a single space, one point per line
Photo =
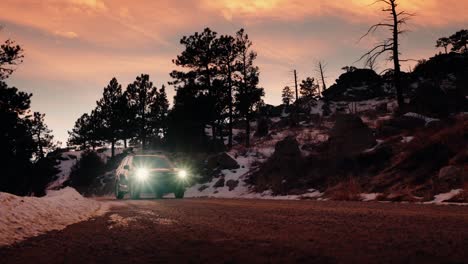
x=74 y=47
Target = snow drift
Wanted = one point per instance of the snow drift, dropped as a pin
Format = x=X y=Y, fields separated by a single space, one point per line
x=22 y=217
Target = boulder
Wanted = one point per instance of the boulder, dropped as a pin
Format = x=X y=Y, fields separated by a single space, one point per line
x=350 y=136
x=219 y=183
x=449 y=178
x=282 y=169
x=288 y=147
x=232 y=184
x=398 y=125
x=222 y=161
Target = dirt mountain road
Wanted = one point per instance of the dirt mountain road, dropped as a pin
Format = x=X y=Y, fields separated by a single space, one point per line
x=255 y=231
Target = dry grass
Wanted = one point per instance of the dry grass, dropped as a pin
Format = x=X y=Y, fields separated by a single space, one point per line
x=404 y=195
x=348 y=190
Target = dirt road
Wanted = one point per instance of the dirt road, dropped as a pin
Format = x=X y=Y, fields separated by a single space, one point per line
x=253 y=231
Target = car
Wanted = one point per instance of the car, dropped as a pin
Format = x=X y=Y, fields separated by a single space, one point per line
x=141 y=173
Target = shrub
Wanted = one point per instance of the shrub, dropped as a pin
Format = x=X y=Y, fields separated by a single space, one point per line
x=88 y=168
x=349 y=190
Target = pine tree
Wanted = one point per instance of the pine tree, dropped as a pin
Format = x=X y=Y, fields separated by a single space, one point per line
x=459 y=41
x=287 y=96
x=41 y=134
x=308 y=88
x=111 y=113
x=11 y=55
x=158 y=112
x=248 y=94
x=443 y=43
x=141 y=95
x=227 y=54
x=200 y=61
x=79 y=135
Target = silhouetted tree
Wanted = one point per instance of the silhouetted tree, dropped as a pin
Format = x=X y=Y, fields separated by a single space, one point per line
x=287 y=95
x=111 y=113
x=349 y=68
x=321 y=71
x=459 y=41
x=79 y=135
x=396 y=19
x=200 y=60
x=227 y=54
x=11 y=55
x=17 y=144
x=158 y=114
x=308 y=88
x=41 y=134
x=443 y=43
x=248 y=93
x=141 y=95
x=127 y=115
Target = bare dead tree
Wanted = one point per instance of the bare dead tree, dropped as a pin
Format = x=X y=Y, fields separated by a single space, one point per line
x=320 y=70
x=394 y=22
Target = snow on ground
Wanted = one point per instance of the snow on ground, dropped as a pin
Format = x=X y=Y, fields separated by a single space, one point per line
x=423 y=117
x=367 y=197
x=407 y=139
x=441 y=198
x=243 y=190
x=23 y=217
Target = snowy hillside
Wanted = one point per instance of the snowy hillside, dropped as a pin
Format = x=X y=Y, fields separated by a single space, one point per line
x=68 y=159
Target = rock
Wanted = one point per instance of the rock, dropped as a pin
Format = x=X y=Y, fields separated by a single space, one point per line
x=287 y=147
x=350 y=136
x=398 y=125
x=286 y=165
x=449 y=178
x=262 y=127
x=202 y=188
x=219 y=183
x=222 y=161
x=382 y=108
x=232 y=184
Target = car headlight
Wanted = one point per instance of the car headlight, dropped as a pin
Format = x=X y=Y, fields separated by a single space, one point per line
x=182 y=174
x=142 y=174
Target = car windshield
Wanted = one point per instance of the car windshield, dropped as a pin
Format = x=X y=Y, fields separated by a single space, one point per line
x=152 y=162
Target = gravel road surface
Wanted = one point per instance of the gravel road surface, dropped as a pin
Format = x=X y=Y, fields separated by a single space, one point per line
x=254 y=231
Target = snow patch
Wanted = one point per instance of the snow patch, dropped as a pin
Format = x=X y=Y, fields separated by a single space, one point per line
x=407 y=139
x=441 y=198
x=23 y=217
x=367 y=197
x=423 y=117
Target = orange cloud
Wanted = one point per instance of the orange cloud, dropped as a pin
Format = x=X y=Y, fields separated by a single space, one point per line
x=429 y=12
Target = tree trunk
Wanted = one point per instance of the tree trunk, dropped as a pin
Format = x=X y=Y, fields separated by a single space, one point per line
x=125 y=143
x=247 y=132
x=112 y=148
x=41 y=150
x=396 y=60
x=324 y=87
x=230 y=109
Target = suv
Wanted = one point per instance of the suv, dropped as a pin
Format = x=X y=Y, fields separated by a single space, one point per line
x=149 y=173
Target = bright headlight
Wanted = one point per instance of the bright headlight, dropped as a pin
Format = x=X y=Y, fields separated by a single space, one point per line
x=182 y=174
x=142 y=174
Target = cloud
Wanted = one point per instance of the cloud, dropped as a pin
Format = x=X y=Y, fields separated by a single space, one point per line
x=91 y=4
x=429 y=12
x=66 y=34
